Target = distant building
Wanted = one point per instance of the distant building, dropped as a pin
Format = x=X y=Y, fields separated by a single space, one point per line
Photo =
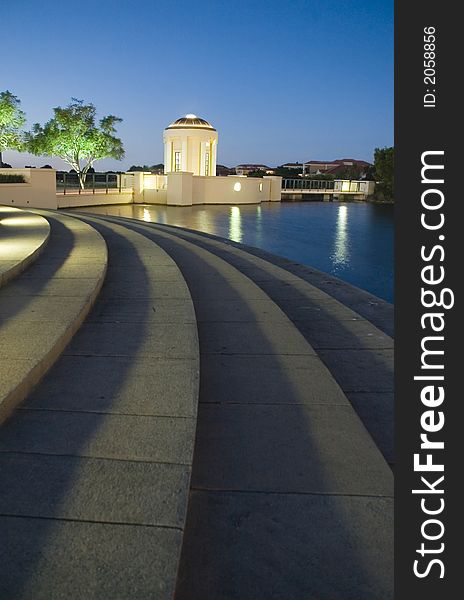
x=245 y=169
x=335 y=167
x=223 y=171
x=292 y=166
x=316 y=167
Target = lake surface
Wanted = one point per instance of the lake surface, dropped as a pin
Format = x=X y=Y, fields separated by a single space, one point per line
x=353 y=241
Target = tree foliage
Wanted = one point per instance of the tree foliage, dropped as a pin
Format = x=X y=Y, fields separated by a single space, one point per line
x=352 y=172
x=287 y=173
x=384 y=171
x=12 y=118
x=74 y=136
x=159 y=168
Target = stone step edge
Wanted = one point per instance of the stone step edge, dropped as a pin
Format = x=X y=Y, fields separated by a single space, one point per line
x=101 y=219
x=32 y=377
x=213 y=244
x=355 y=294
x=210 y=239
x=89 y=218
x=140 y=226
x=271 y=259
x=172 y=231
x=23 y=263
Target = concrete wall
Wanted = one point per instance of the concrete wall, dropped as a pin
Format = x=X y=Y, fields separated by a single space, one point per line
x=154 y=197
x=180 y=189
x=89 y=199
x=275 y=189
x=147 y=188
x=226 y=190
x=176 y=189
x=235 y=190
x=39 y=191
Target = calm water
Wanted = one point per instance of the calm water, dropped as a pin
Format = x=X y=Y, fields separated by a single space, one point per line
x=353 y=241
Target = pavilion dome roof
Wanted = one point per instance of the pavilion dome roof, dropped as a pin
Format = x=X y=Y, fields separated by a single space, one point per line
x=190 y=122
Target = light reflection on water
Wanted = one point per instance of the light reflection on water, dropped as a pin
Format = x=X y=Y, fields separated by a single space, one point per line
x=353 y=241
x=235 y=224
x=341 y=254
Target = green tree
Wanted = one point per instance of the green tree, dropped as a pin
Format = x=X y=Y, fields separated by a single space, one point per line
x=73 y=135
x=12 y=119
x=352 y=172
x=286 y=173
x=384 y=171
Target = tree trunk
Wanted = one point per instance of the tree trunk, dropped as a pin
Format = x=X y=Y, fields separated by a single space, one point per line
x=82 y=178
x=1 y=160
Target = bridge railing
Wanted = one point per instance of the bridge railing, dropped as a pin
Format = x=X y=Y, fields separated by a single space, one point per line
x=348 y=186
x=307 y=184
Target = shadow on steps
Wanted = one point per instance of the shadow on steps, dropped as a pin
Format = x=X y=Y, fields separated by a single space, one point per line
x=357 y=355
x=53 y=459
x=289 y=499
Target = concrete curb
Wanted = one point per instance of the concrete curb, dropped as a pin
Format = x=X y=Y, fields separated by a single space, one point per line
x=41 y=228
x=34 y=370
x=348 y=340
x=195 y=358
x=192 y=239
x=248 y=448
x=376 y=310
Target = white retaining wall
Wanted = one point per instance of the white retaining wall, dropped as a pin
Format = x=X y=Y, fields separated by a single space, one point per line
x=176 y=189
x=39 y=191
x=185 y=189
x=89 y=199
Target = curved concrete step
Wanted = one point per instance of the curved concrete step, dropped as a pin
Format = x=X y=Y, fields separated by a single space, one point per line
x=278 y=449
x=23 y=236
x=105 y=442
x=375 y=310
x=358 y=354
x=42 y=309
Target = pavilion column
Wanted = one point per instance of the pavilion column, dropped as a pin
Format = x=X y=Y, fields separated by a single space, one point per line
x=201 y=158
x=167 y=156
x=213 y=157
x=184 y=166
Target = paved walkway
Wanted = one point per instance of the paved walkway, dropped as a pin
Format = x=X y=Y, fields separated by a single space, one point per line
x=358 y=353
x=23 y=236
x=95 y=465
x=42 y=308
x=290 y=496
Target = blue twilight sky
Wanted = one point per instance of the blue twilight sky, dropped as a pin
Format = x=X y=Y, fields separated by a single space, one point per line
x=280 y=80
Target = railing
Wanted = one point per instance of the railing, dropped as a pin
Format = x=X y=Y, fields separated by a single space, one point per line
x=307 y=184
x=95 y=183
x=352 y=187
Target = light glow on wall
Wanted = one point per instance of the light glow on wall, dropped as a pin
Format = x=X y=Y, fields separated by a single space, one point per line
x=149 y=182
x=237 y=186
x=345 y=186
